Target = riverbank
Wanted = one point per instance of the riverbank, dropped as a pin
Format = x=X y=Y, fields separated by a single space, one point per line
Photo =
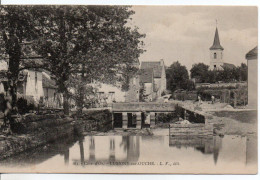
x=32 y=131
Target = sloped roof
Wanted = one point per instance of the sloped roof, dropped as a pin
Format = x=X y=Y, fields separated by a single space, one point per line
x=252 y=54
x=155 y=65
x=146 y=75
x=228 y=65
x=216 y=44
x=48 y=83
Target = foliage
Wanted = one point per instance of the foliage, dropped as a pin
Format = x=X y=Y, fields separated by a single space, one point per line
x=92 y=41
x=200 y=72
x=142 y=95
x=25 y=105
x=2 y=102
x=166 y=118
x=16 y=28
x=177 y=77
x=83 y=94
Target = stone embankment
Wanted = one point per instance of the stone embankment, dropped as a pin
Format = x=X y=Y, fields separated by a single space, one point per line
x=33 y=131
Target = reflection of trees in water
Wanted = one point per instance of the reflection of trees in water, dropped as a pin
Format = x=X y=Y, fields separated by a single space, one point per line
x=81 y=148
x=112 y=153
x=66 y=157
x=92 y=156
x=42 y=153
x=131 y=145
x=206 y=145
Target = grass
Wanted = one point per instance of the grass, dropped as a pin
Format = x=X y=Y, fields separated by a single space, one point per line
x=241 y=116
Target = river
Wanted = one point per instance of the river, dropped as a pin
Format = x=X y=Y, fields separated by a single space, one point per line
x=140 y=154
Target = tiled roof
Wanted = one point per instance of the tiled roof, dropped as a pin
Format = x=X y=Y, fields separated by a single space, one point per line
x=48 y=83
x=216 y=43
x=156 y=66
x=146 y=75
x=228 y=65
x=253 y=54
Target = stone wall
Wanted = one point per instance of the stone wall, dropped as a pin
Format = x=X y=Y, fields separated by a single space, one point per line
x=190 y=129
x=33 y=131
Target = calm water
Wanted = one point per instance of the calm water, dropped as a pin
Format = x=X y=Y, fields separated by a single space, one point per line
x=230 y=154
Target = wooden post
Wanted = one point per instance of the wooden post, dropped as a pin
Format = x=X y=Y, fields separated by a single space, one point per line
x=235 y=99
x=138 y=120
x=185 y=113
x=112 y=120
x=229 y=95
x=152 y=119
x=124 y=120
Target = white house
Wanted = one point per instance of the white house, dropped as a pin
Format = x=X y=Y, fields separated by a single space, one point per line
x=251 y=57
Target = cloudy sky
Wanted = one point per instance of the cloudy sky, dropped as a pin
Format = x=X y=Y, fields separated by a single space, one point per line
x=185 y=33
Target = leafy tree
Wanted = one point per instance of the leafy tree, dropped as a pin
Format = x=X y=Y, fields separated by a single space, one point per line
x=177 y=77
x=91 y=41
x=16 y=28
x=243 y=72
x=200 y=72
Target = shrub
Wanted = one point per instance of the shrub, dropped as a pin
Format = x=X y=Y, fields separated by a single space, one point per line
x=26 y=104
x=166 y=118
x=2 y=102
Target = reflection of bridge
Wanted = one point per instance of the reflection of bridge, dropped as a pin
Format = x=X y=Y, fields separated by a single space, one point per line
x=129 y=144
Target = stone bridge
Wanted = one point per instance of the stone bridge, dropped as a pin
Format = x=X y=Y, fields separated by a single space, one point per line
x=139 y=114
x=142 y=114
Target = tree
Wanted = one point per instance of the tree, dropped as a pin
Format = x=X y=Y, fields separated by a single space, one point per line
x=200 y=72
x=16 y=27
x=91 y=41
x=243 y=72
x=177 y=77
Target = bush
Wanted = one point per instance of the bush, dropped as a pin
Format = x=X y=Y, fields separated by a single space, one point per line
x=2 y=102
x=166 y=118
x=25 y=105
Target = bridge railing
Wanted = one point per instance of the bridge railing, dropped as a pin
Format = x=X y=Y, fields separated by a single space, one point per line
x=143 y=106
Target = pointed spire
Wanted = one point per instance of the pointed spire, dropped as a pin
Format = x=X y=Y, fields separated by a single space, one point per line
x=216 y=43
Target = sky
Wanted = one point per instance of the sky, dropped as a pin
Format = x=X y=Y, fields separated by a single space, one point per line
x=185 y=33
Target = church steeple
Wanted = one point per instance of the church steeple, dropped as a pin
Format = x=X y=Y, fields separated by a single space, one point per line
x=216 y=44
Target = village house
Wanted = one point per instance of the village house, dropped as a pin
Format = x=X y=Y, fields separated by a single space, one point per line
x=33 y=83
x=108 y=94
x=150 y=80
x=251 y=57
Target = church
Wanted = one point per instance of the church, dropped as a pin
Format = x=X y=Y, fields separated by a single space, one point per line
x=217 y=61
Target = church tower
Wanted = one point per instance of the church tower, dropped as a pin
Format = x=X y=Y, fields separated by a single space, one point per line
x=216 y=54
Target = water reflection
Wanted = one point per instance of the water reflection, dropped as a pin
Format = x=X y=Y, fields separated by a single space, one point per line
x=106 y=149
x=205 y=145
x=205 y=152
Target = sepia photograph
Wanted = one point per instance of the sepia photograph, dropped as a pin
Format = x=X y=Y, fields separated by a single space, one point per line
x=128 y=89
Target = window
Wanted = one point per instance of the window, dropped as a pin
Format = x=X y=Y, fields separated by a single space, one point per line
x=215 y=55
x=215 y=66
